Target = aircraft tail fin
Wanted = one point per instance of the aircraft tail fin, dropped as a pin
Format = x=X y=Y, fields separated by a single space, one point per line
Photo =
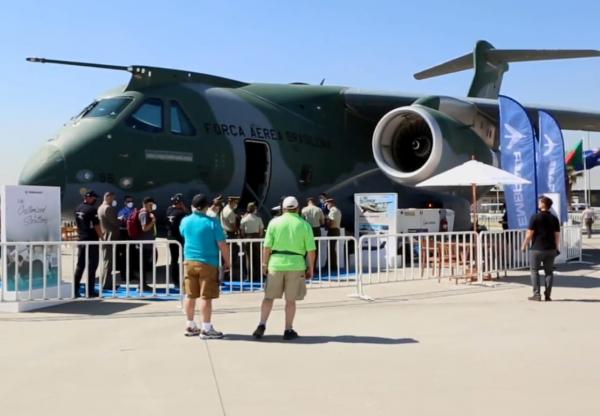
x=490 y=64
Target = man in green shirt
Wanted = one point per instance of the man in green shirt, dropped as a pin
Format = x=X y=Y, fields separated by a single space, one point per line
x=289 y=239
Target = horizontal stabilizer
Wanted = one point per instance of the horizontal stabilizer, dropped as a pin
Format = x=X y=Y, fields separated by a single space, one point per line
x=490 y=64
x=499 y=56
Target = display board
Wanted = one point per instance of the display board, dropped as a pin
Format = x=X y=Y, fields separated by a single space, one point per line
x=30 y=214
x=375 y=214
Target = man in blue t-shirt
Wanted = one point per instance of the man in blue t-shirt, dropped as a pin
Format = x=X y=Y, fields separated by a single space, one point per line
x=203 y=238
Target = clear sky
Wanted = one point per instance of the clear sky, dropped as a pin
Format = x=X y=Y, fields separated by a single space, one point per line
x=368 y=44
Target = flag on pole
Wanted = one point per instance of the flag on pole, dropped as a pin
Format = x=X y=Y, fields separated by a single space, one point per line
x=575 y=157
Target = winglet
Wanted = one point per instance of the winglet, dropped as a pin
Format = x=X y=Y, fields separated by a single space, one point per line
x=490 y=65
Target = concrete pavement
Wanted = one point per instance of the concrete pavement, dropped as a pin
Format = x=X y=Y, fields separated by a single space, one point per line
x=421 y=348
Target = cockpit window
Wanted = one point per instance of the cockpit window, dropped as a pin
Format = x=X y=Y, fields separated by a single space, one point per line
x=180 y=123
x=148 y=117
x=107 y=107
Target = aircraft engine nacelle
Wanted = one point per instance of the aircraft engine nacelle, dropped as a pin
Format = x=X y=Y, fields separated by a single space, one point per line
x=413 y=143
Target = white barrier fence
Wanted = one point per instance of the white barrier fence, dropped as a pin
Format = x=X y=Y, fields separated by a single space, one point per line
x=388 y=258
x=46 y=270
x=334 y=264
x=154 y=269
x=146 y=269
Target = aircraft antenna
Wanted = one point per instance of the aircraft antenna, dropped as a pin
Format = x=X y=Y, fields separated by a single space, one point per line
x=74 y=63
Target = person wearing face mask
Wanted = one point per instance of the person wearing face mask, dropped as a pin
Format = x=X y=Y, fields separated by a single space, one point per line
x=122 y=249
x=123 y=214
x=323 y=197
x=176 y=212
x=147 y=218
x=88 y=229
x=109 y=224
x=230 y=224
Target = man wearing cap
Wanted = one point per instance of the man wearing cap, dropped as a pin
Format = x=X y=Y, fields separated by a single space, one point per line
x=109 y=223
x=315 y=217
x=203 y=237
x=334 y=221
x=289 y=239
x=214 y=211
x=229 y=217
x=175 y=214
x=252 y=226
x=122 y=249
x=147 y=218
x=88 y=229
x=229 y=222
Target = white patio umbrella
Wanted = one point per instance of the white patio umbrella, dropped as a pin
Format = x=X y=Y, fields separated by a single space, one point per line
x=473 y=173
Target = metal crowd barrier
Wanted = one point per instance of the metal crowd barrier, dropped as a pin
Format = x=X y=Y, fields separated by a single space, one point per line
x=398 y=257
x=43 y=271
x=246 y=259
x=500 y=251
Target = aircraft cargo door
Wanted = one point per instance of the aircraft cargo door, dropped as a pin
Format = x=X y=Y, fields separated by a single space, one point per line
x=258 y=172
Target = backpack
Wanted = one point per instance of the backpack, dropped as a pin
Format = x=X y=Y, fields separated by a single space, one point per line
x=134 y=227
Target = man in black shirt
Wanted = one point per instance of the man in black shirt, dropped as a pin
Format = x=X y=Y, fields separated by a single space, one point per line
x=88 y=229
x=544 y=233
x=175 y=213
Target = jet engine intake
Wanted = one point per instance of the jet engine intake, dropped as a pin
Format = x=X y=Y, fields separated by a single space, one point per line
x=413 y=143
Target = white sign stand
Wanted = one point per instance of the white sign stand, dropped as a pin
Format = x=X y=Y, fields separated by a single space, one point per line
x=30 y=214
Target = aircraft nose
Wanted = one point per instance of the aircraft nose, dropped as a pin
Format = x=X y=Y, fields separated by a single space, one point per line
x=45 y=168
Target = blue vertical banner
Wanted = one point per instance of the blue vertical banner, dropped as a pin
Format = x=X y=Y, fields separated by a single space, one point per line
x=517 y=148
x=551 y=172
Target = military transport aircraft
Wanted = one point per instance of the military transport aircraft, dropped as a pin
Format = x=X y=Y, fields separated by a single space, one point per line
x=171 y=131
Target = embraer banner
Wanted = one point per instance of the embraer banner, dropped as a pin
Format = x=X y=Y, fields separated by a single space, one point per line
x=551 y=161
x=517 y=157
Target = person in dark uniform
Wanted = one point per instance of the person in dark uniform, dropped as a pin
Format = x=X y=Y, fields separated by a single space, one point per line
x=544 y=233
x=88 y=229
x=504 y=221
x=175 y=213
x=123 y=250
x=334 y=222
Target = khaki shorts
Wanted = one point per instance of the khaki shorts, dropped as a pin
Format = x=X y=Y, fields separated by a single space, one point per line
x=201 y=280
x=293 y=284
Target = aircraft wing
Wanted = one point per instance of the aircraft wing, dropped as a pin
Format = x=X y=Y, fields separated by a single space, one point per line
x=568 y=118
x=373 y=105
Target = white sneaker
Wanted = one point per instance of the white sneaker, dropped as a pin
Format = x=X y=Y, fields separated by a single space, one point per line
x=212 y=333
x=192 y=331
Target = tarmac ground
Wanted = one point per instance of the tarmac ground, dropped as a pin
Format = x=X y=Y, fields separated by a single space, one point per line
x=419 y=348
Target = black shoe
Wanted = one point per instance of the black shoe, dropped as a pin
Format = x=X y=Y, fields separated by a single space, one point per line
x=259 y=331
x=547 y=298
x=536 y=298
x=289 y=334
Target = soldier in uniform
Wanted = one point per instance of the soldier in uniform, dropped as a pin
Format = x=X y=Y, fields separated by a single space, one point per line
x=123 y=249
x=229 y=219
x=214 y=211
x=315 y=217
x=252 y=226
x=334 y=221
x=175 y=213
x=107 y=215
x=88 y=229
x=229 y=223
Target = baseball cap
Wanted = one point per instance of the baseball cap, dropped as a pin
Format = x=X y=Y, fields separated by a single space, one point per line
x=91 y=194
x=177 y=198
x=290 y=203
x=200 y=201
